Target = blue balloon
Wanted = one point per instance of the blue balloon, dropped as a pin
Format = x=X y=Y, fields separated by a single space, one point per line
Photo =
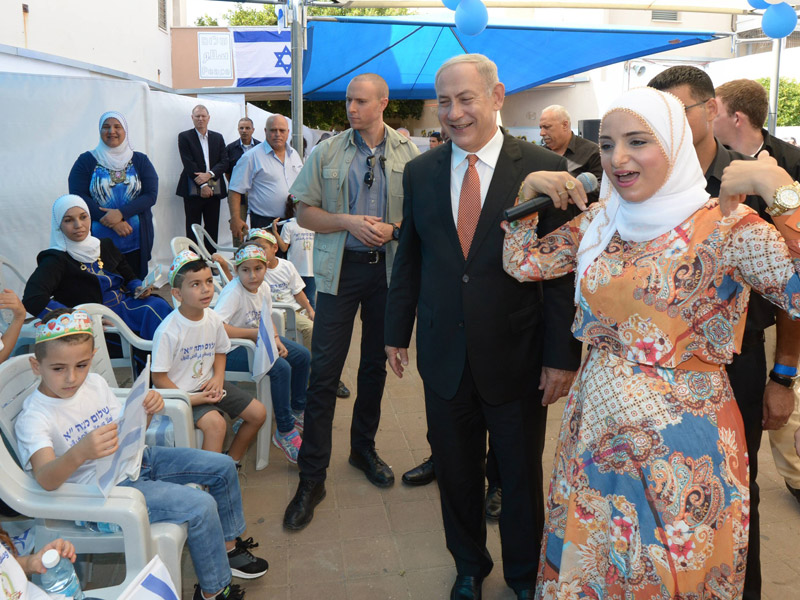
x=779 y=20
x=451 y=4
x=471 y=17
x=758 y=4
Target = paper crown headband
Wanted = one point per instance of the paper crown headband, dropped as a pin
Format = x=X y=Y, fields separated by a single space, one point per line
x=182 y=258
x=263 y=234
x=64 y=325
x=249 y=252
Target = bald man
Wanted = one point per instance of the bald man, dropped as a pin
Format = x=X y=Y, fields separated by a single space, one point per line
x=265 y=174
x=583 y=156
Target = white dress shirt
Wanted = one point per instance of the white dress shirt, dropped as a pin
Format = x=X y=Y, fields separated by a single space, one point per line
x=487 y=160
x=204 y=146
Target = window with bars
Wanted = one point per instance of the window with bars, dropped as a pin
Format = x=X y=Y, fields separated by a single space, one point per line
x=162 y=14
x=670 y=16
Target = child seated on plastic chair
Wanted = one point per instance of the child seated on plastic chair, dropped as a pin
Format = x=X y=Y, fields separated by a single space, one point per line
x=189 y=353
x=50 y=447
x=240 y=305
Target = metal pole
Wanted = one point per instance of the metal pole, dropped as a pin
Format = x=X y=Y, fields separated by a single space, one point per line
x=774 y=85
x=298 y=35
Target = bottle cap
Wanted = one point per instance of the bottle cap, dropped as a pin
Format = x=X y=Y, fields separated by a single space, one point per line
x=51 y=558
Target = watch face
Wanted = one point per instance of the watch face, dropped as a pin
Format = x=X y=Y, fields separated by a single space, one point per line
x=789 y=198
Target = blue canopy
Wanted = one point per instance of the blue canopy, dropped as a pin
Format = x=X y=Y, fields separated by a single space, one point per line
x=407 y=51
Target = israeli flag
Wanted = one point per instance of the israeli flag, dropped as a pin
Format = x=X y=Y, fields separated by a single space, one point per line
x=152 y=583
x=262 y=57
x=266 y=350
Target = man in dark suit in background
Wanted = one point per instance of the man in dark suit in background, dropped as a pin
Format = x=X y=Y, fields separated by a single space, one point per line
x=235 y=150
x=201 y=184
x=481 y=336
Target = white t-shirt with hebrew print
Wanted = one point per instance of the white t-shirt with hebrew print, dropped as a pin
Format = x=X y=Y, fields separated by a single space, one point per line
x=301 y=247
x=284 y=282
x=13 y=583
x=60 y=423
x=240 y=308
x=185 y=349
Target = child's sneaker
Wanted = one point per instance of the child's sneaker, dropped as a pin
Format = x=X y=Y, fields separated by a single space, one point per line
x=232 y=592
x=299 y=421
x=243 y=564
x=288 y=442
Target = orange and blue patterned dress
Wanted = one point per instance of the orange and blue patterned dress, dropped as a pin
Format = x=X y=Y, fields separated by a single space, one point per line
x=649 y=494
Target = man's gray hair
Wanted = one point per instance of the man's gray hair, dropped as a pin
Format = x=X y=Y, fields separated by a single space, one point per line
x=559 y=112
x=486 y=69
x=201 y=106
x=271 y=120
x=246 y=119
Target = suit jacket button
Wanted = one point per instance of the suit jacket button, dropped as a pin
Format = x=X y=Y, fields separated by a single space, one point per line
x=465 y=279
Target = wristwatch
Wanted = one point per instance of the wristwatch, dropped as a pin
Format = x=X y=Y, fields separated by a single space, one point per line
x=783 y=380
x=786 y=198
x=395 y=231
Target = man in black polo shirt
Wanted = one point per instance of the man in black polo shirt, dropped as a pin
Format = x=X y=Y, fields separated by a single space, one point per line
x=763 y=405
x=235 y=151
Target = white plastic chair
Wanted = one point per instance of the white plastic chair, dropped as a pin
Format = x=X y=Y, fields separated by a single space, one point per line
x=201 y=234
x=56 y=510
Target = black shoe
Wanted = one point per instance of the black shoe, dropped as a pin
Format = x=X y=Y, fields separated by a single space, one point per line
x=422 y=474
x=377 y=472
x=466 y=588
x=243 y=564
x=301 y=509
x=526 y=594
x=342 y=391
x=494 y=503
x=232 y=592
x=793 y=491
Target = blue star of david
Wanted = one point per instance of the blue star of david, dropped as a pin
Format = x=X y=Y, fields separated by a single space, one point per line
x=285 y=53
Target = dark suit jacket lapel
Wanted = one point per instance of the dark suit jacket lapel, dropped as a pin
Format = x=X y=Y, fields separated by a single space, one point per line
x=504 y=183
x=194 y=140
x=441 y=188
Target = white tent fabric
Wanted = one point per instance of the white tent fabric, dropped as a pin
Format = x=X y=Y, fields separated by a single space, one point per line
x=48 y=121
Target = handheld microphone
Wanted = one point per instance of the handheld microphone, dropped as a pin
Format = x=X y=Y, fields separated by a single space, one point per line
x=587 y=180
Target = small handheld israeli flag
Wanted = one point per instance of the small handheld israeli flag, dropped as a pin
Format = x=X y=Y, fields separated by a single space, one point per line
x=266 y=350
x=152 y=583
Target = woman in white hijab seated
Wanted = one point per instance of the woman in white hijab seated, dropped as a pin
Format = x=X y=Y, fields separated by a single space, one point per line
x=649 y=492
x=120 y=187
x=79 y=268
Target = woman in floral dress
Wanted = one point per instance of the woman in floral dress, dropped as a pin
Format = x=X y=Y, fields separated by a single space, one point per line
x=649 y=494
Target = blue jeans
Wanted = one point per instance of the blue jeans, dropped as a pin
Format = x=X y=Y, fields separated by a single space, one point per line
x=310 y=290
x=288 y=381
x=214 y=517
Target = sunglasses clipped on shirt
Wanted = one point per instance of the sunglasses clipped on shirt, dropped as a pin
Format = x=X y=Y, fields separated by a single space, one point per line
x=369 y=176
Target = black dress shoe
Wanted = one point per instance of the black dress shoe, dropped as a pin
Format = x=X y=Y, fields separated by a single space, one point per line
x=301 y=509
x=526 y=594
x=494 y=503
x=377 y=471
x=793 y=491
x=466 y=588
x=422 y=474
x=342 y=391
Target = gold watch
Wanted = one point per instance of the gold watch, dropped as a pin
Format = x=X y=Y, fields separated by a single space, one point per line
x=786 y=198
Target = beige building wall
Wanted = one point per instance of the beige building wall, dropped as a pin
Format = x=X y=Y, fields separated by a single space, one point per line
x=185 y=59
x=117 y=34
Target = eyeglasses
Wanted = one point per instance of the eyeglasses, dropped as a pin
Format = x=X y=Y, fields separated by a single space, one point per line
x=686 y=108
x=369 y=176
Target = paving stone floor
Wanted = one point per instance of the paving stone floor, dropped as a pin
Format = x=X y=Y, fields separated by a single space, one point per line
x=371 y=544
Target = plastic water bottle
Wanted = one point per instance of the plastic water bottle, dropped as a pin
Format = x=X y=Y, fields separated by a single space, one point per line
x=99 y=527
x=60 y=577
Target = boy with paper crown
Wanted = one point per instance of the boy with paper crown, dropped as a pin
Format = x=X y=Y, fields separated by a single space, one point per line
x=240 y=305
x=189 y=353
x=69 y=422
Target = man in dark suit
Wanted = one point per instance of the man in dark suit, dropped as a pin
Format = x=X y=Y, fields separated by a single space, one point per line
x=201 y=184
x=490 y=350
x=235 y=150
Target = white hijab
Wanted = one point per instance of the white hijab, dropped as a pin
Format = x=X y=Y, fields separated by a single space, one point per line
x=87 y=251
x=117 y=158
x=682 y=194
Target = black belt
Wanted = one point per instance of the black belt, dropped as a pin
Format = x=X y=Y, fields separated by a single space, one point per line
x=370 y=257
x=752 y=337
